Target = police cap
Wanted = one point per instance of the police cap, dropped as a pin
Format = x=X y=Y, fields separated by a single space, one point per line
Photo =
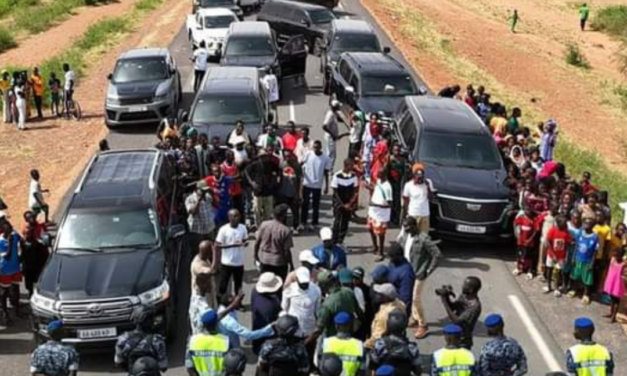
x=493 y=320
x=584 y=323
x=385 y=370
x=342 y=318
x=209 y=318
x=453 y=330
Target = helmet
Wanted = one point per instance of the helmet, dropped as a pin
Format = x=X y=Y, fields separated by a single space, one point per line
x=145 y=366
x=397 y=321
x=286 y=326
x=235 y=361
x=330 y=365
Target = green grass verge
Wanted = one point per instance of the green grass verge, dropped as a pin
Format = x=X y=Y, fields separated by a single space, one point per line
x=575 y=57
x=611 y=19
x=424 y=38
x=6 y=39
x=9 y=6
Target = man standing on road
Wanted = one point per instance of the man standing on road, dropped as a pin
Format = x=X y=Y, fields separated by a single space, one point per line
x=200 y=58
x=388 y=300
x=5 y=88
x=273 y=246
x=286 y=354
x=416 y=199
x=423 y=254
x=231 y=243
x=200 y=216
x=37 y=82
x=36 y=201
x=584 y=13
x=54 y=358
x=395 y=349
x=401 y=275
x=264 y=174
x=68 y=88
x=331 y=131
x=454 y=356
x=206 y=350
x=290 y=187
x=304 y=145
x=380 y=212
x=588 y=357
x=330 y=255
x=464 y=311
x=345 y=194
x=502 y=356
x=203 y=263
x=316 y=168
x=349 y=349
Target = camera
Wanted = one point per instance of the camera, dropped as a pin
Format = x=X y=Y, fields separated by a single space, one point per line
x=445 y=290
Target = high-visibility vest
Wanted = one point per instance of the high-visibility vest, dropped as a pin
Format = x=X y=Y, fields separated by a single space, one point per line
x=454 y=362
x=590 y=360
x=207 y=352
x=350 y=350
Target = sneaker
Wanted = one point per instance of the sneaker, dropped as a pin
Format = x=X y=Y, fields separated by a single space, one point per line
x=546 y=289
x=421 y=332
x=586 y=300
x=572 y=294
x=516 y=271
x=529 y=276
x=557 y=293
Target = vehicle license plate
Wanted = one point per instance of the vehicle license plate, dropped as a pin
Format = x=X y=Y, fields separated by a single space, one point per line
x=138 y=109
x=97 y=333
x=471 y=229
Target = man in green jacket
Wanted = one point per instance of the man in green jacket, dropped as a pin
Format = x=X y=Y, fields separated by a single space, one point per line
x=584 y=13
x=423 y=254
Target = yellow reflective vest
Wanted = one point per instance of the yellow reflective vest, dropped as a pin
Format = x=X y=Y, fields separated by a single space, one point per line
x=207 y=351
x=350 y=350
x=590 y=360
x=454 y=362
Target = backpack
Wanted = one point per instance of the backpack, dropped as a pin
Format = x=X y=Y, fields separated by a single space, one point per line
x=283 y=360
x=398 y=353
x=139 y=345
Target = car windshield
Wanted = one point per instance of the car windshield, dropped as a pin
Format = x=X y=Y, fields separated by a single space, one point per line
x=216 y=3
x=459 y=150
x=218 y=22
x=108 y=229
x=138 y=70
x=321 y=16
x=387 y=85
x=356 y=43
x=226 y=110
x=249 y=46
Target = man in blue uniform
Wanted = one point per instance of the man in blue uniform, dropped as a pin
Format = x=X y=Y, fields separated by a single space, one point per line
x=53 y=358
x=502 y=356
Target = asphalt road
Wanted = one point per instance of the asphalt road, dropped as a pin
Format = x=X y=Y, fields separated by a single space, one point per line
x=307 y=105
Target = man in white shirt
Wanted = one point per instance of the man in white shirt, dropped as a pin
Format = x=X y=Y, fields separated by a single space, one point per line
x=316 y=168
x=36 y=201
x=331 y=131
x=68 y=87
x=379 y=213
x=416 y=199
x=231 y=243
x=303 y=145
x=201 y=63
x=272 y=85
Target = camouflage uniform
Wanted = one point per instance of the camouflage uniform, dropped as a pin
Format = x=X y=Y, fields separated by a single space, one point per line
x=136 y=344
x=283 y=357
x=54 y=359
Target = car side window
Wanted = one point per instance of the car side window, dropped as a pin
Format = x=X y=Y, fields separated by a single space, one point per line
x=354 y=82
x=345 y=70
x=299 y=16
x=408 y=130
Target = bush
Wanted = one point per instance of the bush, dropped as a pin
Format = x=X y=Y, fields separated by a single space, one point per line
x=9 y=6
x=100 y=32
x=6 y=39
x=575 y=57
x=612 y=20
x=147 y=4
x=42 y=18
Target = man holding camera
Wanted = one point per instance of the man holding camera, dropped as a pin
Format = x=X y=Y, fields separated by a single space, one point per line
x=464 y=311
x=200 y=215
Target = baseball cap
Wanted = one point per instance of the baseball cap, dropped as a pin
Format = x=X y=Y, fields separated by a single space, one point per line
x=345 y=276
x=303 y=275
x=325 y=277
x=309 y=257
x=358 y=272
x=326 y=233
x=209 y=318
x=386 y=289
x=54 y=325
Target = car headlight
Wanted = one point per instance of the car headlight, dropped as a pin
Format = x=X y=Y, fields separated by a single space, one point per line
x=113 y=100
x=44 y=304
x=156 y=295
x=161 y=98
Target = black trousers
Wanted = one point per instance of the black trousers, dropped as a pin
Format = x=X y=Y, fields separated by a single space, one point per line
x=281 y=271
x=198 y=75
x=293 y=203
x=311 y=195
x=226 y=272
x=582 y=23
x=38 y=105
x=341 y=218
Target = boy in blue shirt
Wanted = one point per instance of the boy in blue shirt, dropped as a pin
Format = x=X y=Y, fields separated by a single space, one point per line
x=586 y=247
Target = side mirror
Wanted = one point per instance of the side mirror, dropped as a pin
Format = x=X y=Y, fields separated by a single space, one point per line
x=46 y=240
x=387 y=50
x=305 y=22
x=176 y=231
x=422 y=90
x=110 y=76
x=350 y=90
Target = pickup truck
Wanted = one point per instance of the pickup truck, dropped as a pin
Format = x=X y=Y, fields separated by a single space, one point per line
x=210 y=25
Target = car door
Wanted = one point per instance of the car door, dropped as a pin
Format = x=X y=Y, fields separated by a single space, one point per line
x=285 y=17
x=300 y=23
x=341 y=75
x=351 y=96
x=293 y=57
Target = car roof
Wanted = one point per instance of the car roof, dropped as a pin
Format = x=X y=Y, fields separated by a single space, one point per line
x=298 y=4
x=231 y=80
x=116 y=178
x=448 y=115
x=374 y=62
x=352 y=26
x=250 y=27
x=144 y=52
x=204 y=12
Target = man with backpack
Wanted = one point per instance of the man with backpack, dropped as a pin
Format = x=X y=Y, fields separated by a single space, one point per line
x=141 y=342
x=285 y=355
x=395 y=349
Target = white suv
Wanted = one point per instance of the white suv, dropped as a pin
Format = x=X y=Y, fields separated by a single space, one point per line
x=210 y=25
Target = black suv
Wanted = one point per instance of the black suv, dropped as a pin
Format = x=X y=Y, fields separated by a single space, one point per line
x=370 y=82
x=471 y=199
x=118 y=247
x=346 y=36
x=289 y=18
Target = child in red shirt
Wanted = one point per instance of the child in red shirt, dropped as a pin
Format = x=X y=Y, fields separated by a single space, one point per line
x=527 y=231
x=558 y=240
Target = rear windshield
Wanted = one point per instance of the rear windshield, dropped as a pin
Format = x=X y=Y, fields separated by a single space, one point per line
x=137 y=70
x=321 y=16
x=249 y=46
x=459 y=150
x=226 y=110
x=388 y=85
x=356 y=43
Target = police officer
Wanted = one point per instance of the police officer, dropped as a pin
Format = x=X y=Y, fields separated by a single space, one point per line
x=453 y=360
x=285 y=355
x=53 y=358
x=502 y=356
x=330 y=365
x=588 y=358
x=145 y=366
x=395 y=349
x=235 y=362
x=141 y=342
x=349 y=349
x=206 y=350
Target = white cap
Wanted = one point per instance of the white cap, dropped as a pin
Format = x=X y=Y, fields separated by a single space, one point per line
x=326 y=233
x=303 y=275
x=309 y=257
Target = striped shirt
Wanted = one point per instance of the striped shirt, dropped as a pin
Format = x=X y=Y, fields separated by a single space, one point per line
x=345 y=184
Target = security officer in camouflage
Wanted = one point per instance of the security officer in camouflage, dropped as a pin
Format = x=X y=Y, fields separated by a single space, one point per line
x=53 y=358
x=395 y=349
x=235 y=362
x=285 y=355
x=141 y=342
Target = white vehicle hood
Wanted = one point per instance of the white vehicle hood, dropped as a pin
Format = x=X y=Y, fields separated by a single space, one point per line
x=211 y=33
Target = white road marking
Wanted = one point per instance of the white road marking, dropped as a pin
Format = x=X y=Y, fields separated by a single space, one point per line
x=541 y=344
x=292 y=111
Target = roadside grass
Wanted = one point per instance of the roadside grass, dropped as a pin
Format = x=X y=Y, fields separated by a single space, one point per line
x=8 y=6
x=575 y=57
x=426 y=39
x=612 y=20
x=7 y=40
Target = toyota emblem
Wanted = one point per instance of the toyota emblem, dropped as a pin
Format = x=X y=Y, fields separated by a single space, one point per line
x=473 y=207
x=94 y=310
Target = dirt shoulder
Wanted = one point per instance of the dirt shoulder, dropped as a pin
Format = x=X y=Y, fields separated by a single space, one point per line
x=59 y=148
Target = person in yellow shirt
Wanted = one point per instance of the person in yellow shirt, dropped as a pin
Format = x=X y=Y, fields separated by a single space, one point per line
x=37 y=83
x=604 y=232
x=498 y=122
x=389 y=302
x=5 y=87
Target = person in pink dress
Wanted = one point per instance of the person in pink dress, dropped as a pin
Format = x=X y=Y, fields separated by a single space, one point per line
x=614 y=284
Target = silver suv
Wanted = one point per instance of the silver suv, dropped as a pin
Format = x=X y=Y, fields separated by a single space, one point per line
x=144 y=87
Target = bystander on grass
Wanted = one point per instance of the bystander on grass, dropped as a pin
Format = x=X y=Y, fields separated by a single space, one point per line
x=6 y=39
x=612 y=20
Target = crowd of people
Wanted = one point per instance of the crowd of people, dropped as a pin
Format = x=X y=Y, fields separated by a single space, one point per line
x=21 y=90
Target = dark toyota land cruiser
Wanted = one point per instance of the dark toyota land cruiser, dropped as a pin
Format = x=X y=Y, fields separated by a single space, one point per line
x=460 y=157
x=118 y=247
